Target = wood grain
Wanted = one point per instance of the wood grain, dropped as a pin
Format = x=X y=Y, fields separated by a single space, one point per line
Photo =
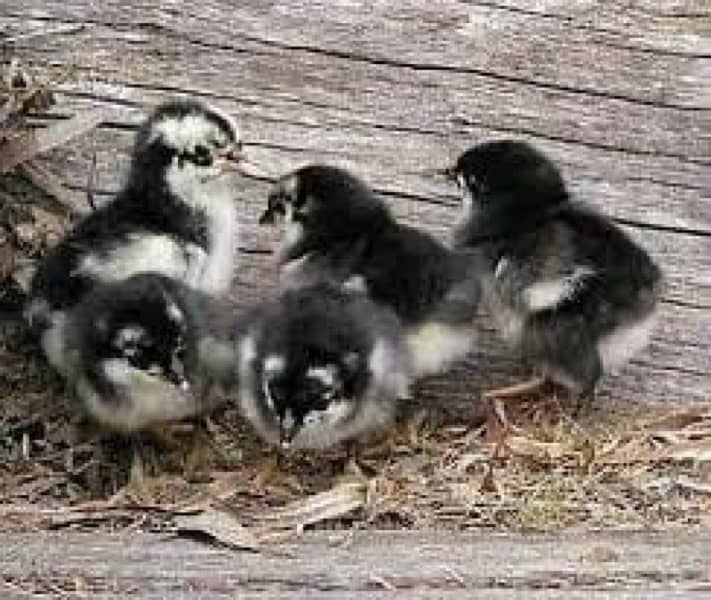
x=616 y=93
x=365 y=565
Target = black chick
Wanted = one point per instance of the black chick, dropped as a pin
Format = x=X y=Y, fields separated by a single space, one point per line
x=565 y=286
x=320 y=365
x=148 y=350
x=334 y=227
x=175 y=215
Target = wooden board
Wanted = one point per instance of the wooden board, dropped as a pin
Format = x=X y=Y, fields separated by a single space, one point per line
x=361 y=565
x=616 y=93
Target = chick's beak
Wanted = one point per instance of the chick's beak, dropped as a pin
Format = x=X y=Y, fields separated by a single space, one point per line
x=230 y=160
x=449 y=173
x=235 y=160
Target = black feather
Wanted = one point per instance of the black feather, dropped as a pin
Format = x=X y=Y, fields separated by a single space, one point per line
x=349 y=231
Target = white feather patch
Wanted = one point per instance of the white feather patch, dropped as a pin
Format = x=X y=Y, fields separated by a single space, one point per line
x=187 y=132
x=196 y=262
x=292 y=234
x=53 y=342
x=390 y=369
x=247 y=352
x=467 y=200
x=218 y=357
x=356 y=283
x=324 y=374
x=501 y=267
x=146 y=399
x=174 y=312
x=435 y=346
x=274 y=363
x=547 y=294
x=130 y=334
x=140 y=253
x=466 y=209
x=290 y=186
x=216 y=198
x=618 y=347
x=324 y=428
x=248 y=389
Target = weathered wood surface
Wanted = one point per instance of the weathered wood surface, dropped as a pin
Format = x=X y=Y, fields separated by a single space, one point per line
x=385 y=565
x=617 y=93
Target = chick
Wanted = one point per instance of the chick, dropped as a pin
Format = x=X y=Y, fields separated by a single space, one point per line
x=148 y=350
x=175 y=215
x=566 y=287
x=334 y=227
x=320 y=365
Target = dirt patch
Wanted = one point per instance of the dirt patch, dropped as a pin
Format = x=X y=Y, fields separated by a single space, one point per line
x=614 y=466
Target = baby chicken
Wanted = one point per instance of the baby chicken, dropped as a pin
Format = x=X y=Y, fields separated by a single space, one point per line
x=175 y=215
x=320 y=365
x=334 y=227
x=148 y=350
x=567 y=288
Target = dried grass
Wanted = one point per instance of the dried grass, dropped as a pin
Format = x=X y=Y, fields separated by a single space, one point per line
x=541 y=470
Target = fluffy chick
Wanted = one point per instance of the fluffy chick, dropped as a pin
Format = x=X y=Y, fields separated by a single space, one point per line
x=320 y=365
x=175 y=215
x=148 y=350
x=566 y=287
x=334 y=227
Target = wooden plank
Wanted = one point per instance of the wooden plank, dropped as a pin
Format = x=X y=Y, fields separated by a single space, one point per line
x=678 y=202
x=451 y=35
x=614 y=93
x=363 y=565
x=687 y=258
x=38 y=141
x=642 y=25
x=430 y=101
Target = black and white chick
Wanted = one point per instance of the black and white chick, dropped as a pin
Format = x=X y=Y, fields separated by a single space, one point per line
x=148 y=350
x=175 y=215
x=320 y=365
x=334 y=227
x=566 y=287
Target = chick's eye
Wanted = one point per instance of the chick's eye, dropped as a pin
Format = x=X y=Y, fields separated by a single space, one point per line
x=318 y=399
x=202 y=157
x=320 y=404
